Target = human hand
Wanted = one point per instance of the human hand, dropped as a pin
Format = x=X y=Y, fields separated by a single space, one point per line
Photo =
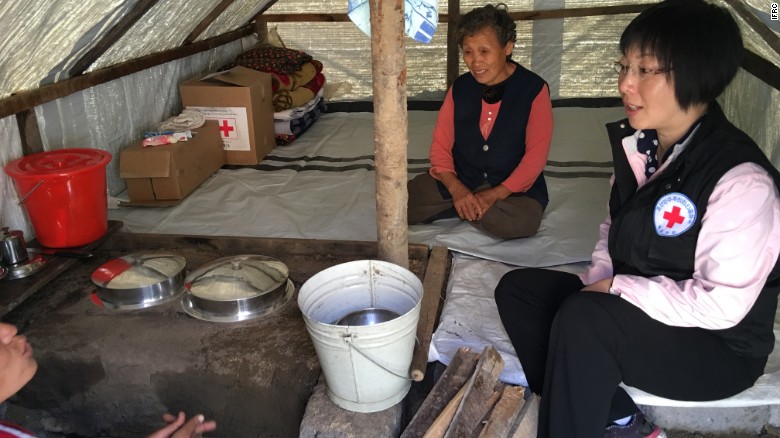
x=599 y=286
x=466 y=203
x=177 y=428
x=488 y=197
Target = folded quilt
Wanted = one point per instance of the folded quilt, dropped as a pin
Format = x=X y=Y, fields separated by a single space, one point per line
x=286 y=99
x=291 y=81
x=297 y=126
x=298 y=110
x=271 y=59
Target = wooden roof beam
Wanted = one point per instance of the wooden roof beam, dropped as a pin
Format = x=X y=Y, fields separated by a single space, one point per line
x=517 y=16
x=257 y=17
x=204 y=24
x=25 y=100
x=111 y=37
x=768 y=35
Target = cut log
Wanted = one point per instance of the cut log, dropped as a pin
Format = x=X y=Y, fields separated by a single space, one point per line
x=476 y=401
x=490 y=404
x=442 y=422
x=528 y=421
x=454 y=378
x=505 y=413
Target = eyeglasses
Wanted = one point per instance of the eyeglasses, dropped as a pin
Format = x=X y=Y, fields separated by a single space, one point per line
x=643 y=72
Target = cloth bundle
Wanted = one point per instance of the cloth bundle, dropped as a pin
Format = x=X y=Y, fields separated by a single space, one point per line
x=291 y=124
x=271 y=59
x=285 y=99
x=188 y=119
x=297 y=83
x=296 y=76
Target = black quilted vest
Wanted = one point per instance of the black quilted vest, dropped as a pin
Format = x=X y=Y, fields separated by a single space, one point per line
x=506 y=143
x=637 y=249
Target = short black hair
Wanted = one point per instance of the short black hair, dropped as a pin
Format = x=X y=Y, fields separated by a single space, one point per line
x=496 y=17
x=700 y=43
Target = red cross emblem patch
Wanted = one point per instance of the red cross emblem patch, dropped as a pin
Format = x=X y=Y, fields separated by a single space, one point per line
x=674 y=214
x=228 y=128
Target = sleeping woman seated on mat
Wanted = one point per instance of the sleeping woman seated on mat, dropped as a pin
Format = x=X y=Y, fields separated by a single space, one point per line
x=680 y=298
x=18 y=366
x=491 y=138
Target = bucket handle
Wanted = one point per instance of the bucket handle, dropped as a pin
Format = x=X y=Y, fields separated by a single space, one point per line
x=348 y=339
x=29 y=193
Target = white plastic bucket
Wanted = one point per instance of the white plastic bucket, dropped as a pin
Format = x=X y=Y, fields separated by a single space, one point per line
x=366 y=367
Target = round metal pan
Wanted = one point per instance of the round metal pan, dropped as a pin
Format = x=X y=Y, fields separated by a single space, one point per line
x=139 y=280
x=237 y=288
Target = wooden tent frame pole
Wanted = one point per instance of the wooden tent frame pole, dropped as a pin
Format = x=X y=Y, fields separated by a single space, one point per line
x=388 y=65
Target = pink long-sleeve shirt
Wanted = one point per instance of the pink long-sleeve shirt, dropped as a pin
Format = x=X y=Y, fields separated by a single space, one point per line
x=738 y=246
x=538 y=135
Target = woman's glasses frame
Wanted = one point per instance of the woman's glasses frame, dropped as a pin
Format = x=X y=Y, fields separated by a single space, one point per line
x=643 y=72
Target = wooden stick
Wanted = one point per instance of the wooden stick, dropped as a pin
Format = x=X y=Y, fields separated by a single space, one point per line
x=456 y=375
x=433 y=285
x=475 y=404
x=528 y=419
x=490 y=405
x=442 y=422
x=505 y=413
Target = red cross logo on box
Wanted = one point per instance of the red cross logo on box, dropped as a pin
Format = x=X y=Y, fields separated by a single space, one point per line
x=228 y=128
x=674 y=214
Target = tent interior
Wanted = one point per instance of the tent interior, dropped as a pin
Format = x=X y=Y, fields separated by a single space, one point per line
x=97 y=74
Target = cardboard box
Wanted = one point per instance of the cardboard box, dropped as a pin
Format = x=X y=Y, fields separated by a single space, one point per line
x=161 y=176
x=241 y=101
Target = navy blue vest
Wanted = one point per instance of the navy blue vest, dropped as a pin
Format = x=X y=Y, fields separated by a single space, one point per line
x=637 y=249
x=506 y=143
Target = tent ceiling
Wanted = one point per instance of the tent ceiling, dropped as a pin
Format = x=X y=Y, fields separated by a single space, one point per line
x=49 y=39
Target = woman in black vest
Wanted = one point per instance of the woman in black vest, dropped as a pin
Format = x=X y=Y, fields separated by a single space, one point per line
x=681 y=295
x=491 y=139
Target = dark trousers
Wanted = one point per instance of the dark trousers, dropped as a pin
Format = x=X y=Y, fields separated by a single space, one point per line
x=510 y=218
x=576 y=347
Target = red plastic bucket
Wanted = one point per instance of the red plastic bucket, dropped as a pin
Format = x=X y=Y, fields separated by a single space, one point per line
x=64 y=193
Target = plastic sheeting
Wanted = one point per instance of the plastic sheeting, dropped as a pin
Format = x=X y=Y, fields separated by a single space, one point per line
x=13 y=216
x=35 y=34
x=752 y=106
x=113 y=115
x=575 y=63
x=236 y=15
x=322 y=186
x=163 y=27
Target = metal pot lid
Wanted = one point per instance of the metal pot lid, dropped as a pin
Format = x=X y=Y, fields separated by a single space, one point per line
x=237 y=278
x=138 y=270
x=24 y=269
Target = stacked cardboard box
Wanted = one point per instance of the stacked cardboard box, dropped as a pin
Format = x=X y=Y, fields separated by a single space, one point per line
x=240 y=101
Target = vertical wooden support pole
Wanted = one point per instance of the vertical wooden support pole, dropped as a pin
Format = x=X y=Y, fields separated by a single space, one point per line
x=388 y=63
x=29 y=132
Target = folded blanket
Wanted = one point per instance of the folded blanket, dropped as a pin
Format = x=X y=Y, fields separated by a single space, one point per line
x=287 y=131
x=286 y=99
x=300 y=124
x=316 y=84
x=284 y=139
x=271 y=59
x=280 y=81
x=298 y=110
